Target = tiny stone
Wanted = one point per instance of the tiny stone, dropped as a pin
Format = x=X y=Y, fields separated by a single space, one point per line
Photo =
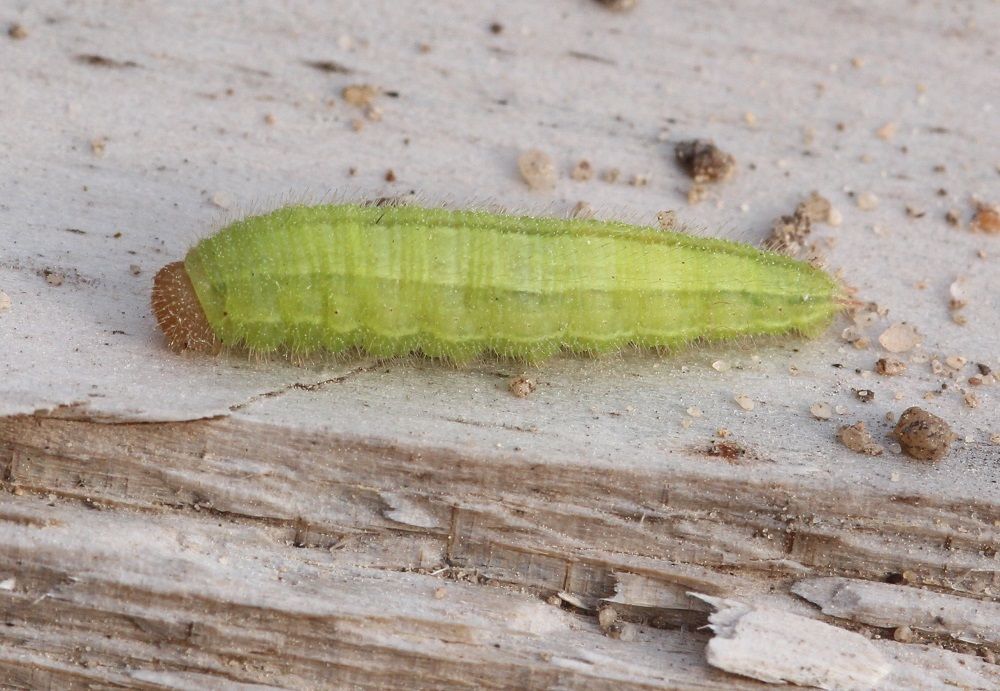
x=867 y=201
x=851 y=334
x=621 y=630
x=390 y=175
x=816 y=207
x=744 y=402
x=750 y=119
x=639 y=180
x=522 y=387
x=359 y=95
x=923 y=435
x=134 y=269
x=720 y=366
x=611 y=175
x=953 y=217
x=856 y=438
x=903 y=634
x=889 y=367
x=53 y=278
x=582 y=171
x=606 y=616
x=821 y=411
x=704 y=161
x=835 y=218
x=971 y=400
x=440 y=593
x=956 y=362
x=17 y=32
x=667 y=219
x=886 y=131
x=221 y=200
x=4 y=301
x=995 y=439
x=537 y=169
x=865 y=395
x=694 y=411
x=959 y=295
x=983 y=369
x=98 y=145
x=270 y=119
x=987 y=219
x=618 y=5
x=899 y=338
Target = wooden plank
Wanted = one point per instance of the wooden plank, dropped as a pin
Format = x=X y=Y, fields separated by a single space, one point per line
x=134 y=128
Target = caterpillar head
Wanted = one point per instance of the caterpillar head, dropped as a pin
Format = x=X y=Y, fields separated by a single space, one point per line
x=179 y=313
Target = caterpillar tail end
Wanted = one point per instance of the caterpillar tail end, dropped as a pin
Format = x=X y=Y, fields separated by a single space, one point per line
x=179 y=314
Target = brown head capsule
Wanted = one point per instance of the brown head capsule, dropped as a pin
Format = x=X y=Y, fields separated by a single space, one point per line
x=179 y=313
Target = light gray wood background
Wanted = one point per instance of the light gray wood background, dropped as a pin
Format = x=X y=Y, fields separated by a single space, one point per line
x=597 y=478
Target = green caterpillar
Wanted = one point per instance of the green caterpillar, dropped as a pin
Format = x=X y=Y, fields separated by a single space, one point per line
x=453 y=284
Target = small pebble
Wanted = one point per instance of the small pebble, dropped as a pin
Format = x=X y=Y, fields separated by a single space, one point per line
x=744 y=402
x=889 y=366
x=582 y=171
x=899 y=338
x=221 y=199
x=886 y=131
x=864 y=395
x=704 y=161
x=720 y=366
x=923 y=435
x=4 y=301
x=956 y=362
x=867 y=201
x=987 y=219
x=667 y=219
x=618 y=5
x=522 y=387
x=821 y=411
x=359 y=95
x=694 y=411
x=857 y=438
x=537 y=169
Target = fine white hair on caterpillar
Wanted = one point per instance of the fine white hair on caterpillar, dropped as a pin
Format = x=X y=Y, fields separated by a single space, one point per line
x=390 y=280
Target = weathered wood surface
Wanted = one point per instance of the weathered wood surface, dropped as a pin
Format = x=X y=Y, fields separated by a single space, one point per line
x=178 y=522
